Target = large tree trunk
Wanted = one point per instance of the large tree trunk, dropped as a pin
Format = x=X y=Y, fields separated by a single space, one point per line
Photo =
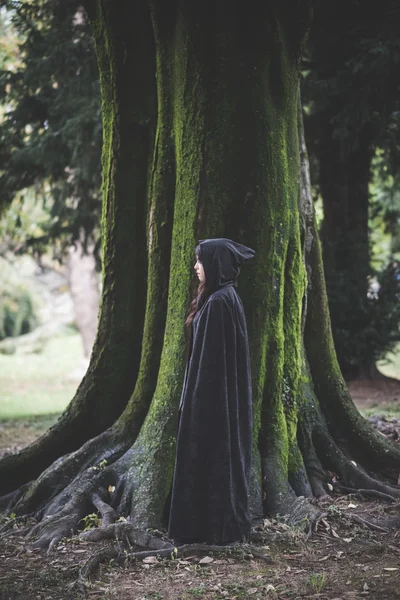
x=113 y=370
x=224 y=161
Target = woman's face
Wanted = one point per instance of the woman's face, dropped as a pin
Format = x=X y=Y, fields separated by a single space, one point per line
x=198 y=267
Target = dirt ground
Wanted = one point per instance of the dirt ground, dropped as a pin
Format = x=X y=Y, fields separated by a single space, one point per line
x=341 y=560
x=372 y=394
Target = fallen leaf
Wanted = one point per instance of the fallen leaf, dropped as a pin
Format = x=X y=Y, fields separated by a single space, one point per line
x=150 y=560
x=268 y=523
x=252 y=591
x=206 y=560
x=325 y=523
x=365 y=587
x=334 y=533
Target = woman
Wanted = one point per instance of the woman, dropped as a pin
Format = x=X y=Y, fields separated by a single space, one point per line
x=210 y=492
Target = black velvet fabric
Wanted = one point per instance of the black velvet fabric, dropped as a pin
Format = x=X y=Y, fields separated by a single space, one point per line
x=210 y=492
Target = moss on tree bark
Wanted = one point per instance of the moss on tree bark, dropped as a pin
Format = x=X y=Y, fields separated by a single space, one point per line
x=220 y=158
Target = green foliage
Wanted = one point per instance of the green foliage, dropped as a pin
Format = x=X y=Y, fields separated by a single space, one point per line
x=50 y=134
x=365 y=327
x=384 y=212
x=17 y=312
x=26 y=219
x=352 y=116
x=317 y=581
x=91 y=521
x=358 y=84
x=102 y=465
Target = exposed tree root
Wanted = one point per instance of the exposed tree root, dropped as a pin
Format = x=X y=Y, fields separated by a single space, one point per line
x=63 y=524
x=9 y=500
x=361 y=521
x=121 y=486
x=349 y=473
x=5 y=529
x=280 y=498
x=62 y=516
x=360 y=493
x=106 y=489
x=104 y=449
x=127 y=533
x=108 y=514
x=304 y=513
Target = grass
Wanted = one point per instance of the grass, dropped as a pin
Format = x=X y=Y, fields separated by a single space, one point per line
x=38 y=384
x=317 y=581
x=388 y=411
x=391 y=365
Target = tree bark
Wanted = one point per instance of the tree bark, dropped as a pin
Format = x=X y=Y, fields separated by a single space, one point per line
x=224 y=161
x=128 y=126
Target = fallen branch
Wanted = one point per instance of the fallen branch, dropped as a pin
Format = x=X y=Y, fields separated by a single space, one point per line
x=120 y=555
x=364 y=493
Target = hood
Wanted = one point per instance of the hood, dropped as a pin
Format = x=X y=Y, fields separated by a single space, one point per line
x=222 y=259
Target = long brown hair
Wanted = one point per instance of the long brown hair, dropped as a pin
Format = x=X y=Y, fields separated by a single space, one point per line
x=198 y=297
x=200 y=293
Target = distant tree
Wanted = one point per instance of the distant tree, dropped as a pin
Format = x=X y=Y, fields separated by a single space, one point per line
x=50 y=143
x=352 y=93
x=50 y=134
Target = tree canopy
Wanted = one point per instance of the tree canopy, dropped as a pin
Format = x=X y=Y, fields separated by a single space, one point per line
x=351 y=91
x=50 y=134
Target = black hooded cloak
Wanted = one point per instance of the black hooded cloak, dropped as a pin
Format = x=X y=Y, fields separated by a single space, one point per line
x=210 y=492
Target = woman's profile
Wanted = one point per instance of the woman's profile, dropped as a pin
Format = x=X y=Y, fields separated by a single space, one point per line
x=210 y=492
